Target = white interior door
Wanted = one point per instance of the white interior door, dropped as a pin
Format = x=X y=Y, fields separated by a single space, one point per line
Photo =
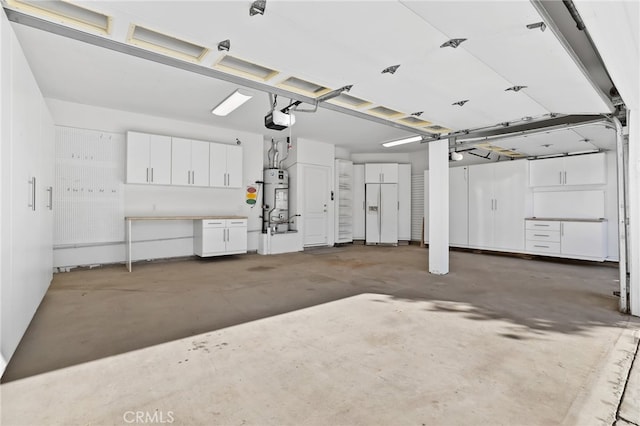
x=315 y=207
x=389 y=213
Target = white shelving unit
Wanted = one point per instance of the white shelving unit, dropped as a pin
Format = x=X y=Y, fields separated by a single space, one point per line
x=344 y=201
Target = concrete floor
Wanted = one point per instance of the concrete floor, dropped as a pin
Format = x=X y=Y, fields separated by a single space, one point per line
x=350 y=335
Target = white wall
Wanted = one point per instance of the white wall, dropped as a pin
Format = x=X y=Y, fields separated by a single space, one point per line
x=170 y=238
x=26 y=165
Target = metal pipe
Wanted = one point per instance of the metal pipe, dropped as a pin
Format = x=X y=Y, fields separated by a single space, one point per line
x=622 y=218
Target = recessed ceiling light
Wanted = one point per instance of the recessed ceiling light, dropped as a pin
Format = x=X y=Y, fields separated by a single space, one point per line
x=402 y=141
x=231 y=102
x=66 y=12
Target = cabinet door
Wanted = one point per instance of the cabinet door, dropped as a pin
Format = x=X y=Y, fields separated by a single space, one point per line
x=237 y=239
x=549 y=172
x=180 y=161
x=481 y=205
x=137 y=157
x=200 y=163
x=584 y=239
x=372 y=173
x=389 y=173
x=217 y=164
x=426 y=207
x=234 y=166
x=458 y=206
x=213 y=241
x=404 y=202
x=358 y=202
x=160 y=159
x=509 y=182
x=388 y=213
x=585 y=169
x=373 y=213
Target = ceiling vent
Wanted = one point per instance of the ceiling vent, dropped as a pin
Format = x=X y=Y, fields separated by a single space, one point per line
x=66 y=12
x=304 y=87
x=385 y=112
x=414 y=121
x=240 y=67
x=349 y=101
x=165 y=44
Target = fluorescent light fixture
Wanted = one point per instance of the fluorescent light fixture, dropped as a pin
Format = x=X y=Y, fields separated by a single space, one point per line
x=403 y=141
x=232 y=102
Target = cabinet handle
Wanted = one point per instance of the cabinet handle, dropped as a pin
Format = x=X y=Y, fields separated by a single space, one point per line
x=565 y=177
x=560 y=178
x=193 y=177
x=540 y=235
x=50 y=191
x=147 y=174
x=537 y=224
x=32 y=182
x=496 y=200
x=152 y=174
x=541 y=246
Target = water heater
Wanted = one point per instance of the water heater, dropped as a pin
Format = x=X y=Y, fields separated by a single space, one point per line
x=275 y=204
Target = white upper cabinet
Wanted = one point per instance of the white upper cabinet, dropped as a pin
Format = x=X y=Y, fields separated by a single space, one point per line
x=381 y=173
x=587 y=169
x=189 y=162
x=148 y=158
x=225 y=166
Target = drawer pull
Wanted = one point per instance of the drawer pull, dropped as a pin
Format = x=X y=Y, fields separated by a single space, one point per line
x=541 y=246
x=237 y=223
x=541 y=235
x=537 y=224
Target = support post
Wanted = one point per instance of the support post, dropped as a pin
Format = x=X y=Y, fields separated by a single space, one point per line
x=633 y=122
x=439 y=207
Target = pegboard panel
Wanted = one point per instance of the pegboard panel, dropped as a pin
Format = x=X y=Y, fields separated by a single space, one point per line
x=88 y=195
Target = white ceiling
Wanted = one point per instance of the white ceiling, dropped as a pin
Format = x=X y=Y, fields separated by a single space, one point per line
x=332 y=44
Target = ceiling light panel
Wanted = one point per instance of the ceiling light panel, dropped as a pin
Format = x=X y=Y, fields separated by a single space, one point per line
x=66 y=12
x=303 y=87
x=165 y=44
x=240 y=67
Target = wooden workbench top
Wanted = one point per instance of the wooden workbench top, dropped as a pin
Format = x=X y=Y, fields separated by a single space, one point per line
x=182 y=217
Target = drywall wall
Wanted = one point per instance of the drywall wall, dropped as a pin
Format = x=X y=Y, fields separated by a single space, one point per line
x=26 y=131
x=162 y=239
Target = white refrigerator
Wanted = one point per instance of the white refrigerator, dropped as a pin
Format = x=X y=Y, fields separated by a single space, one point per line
x=381 y=213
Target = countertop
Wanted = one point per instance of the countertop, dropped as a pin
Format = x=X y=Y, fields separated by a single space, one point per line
x=182 y=217
x=564 y=219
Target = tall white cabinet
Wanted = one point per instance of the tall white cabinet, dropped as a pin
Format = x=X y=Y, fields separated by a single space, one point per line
x=343 y=199
x=27 y=162
x=459 y=206
x=497 y=205
x=358 y=202
x=404 y=202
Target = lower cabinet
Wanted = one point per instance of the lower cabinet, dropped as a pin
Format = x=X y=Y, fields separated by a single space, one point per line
x=217 y=237
x=574 y=239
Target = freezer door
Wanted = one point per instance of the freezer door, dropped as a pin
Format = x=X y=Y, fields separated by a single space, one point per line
x=389 y=213
x=372 y=216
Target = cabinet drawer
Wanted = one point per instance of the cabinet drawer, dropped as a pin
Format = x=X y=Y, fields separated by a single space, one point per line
x=232 y=223
x=546 y=225
x=543 y=235
x=214 y=223
x=543 y=247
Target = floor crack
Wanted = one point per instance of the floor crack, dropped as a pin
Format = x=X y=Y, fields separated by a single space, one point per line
x=626 y=383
